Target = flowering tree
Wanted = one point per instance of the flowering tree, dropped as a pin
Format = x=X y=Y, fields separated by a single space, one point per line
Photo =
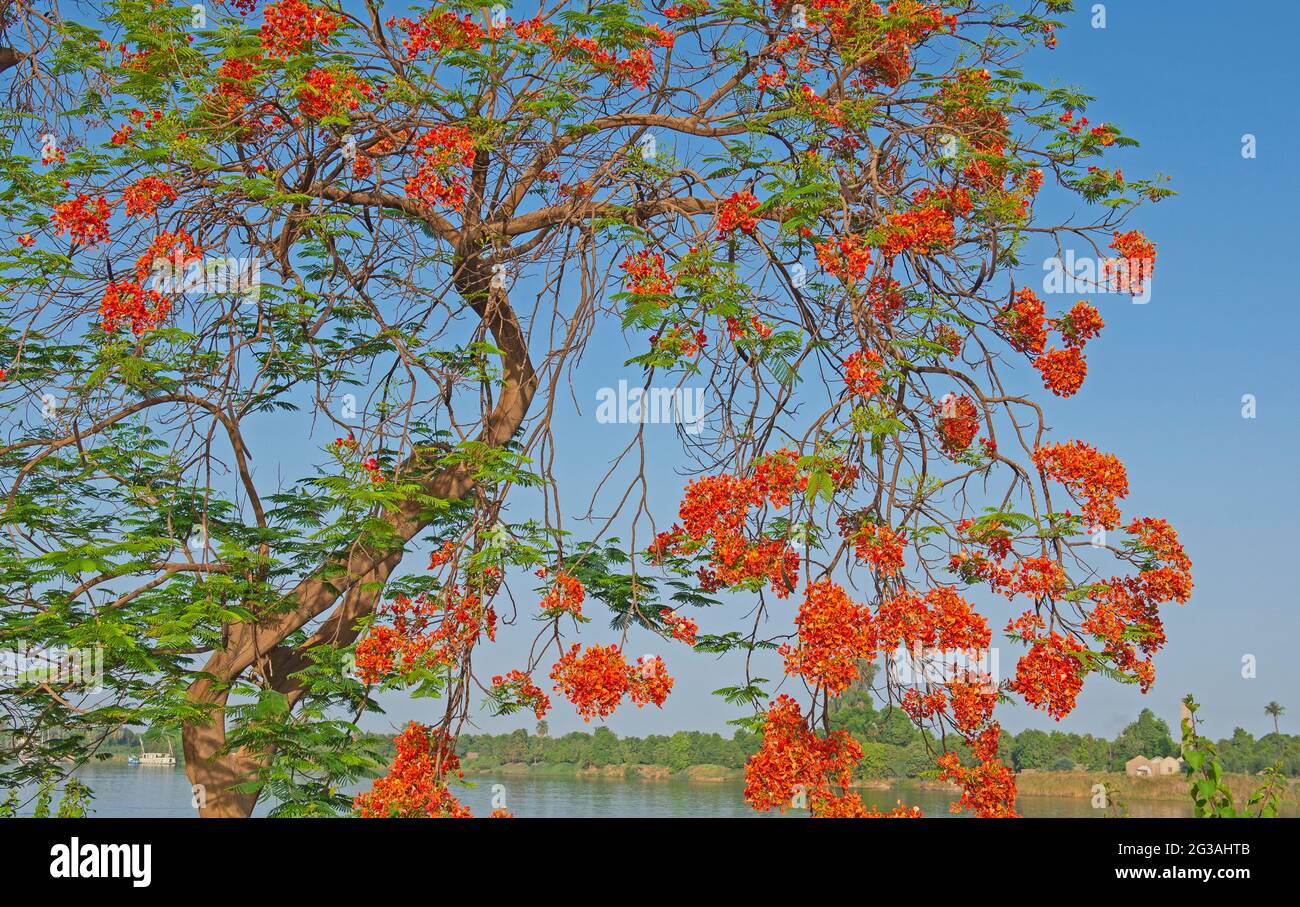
x=404 y=232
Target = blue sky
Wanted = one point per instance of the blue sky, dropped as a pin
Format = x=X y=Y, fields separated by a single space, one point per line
x=1165 y=384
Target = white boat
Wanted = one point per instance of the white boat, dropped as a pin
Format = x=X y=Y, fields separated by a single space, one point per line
x=152 y=759
x=144 y=758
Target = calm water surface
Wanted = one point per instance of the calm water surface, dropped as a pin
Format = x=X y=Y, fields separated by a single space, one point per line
x=128 y=791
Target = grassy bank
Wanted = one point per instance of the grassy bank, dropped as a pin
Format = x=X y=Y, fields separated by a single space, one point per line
x=1123 y=788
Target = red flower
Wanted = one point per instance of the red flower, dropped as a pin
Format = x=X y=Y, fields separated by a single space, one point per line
x=145 y=196
x=84 y=220
x=1063 y=371
x=1098 y=478
x=834 y=634
x=415 y=786
x=292 y=24
x=737 y=213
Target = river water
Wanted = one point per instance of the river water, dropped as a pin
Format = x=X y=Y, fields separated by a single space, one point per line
x=128 y=791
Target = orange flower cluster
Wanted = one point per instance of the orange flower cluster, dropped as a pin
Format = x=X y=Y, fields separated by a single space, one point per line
x=1024 y=322
x=1050 y=675
x=293 y=24
x=680 y=340
x=416 y=786
x=137 y=118
x=715 y=512
x=328 y=93
x=939 y=619
x=437 y=31
x=862 y=373
x=737 y=213
x=127 y=302
x=880 y=547
x=537 y=31
x=753 y=329
x=847 y=259
x=964 y=104
x=1063 y=370
x=645 y=274
x=177 y=248
x=438 y=154
x=597 y=681
x=518 y=687
x=565 y=596
x=890 y=58
x=958 y=422
x=1098 y=478
x=146 y=195
x=886 y=297
x=683 y=628
x=686 y=9
x=1080 y=324
x=988 y=787
x=84 y=220
x=834 y=633
x=427 y=631
x=927 y=226
x=794 y=762
x=1126 y=613
x=364 y=164
x=947 y=337
x=235 y=89
x=1137 y=257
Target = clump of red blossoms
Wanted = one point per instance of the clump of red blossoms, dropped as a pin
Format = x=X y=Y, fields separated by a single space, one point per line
x=835 y=632
x=437 y=31
x=83 y=219
x=1025 y=323
x=443 y=156
x=293 y=24
x=564 y=596
x=1136 y=263
x=146 y=195
x=518 y=687
x=1063 y=371
x=880 y=547
x=329 y=93
x=796 y=766
x=862 y=373
x=1050 y=675
x=128 y=303
x=1099 y=479
x=597 y=680
x=683 y=628
x=737 y=213
x=988 y=787
x=645 y=274
x=847 y=258
x=416 y=784
x=430 y=630
x=958 y=422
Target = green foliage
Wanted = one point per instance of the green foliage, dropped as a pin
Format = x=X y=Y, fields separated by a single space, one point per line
x=1211 y=797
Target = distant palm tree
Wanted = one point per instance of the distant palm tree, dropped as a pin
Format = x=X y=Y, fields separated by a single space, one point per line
x=542 y=728
x=1274 y=711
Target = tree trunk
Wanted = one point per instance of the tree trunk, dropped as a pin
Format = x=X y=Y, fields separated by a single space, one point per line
x=260 y=644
